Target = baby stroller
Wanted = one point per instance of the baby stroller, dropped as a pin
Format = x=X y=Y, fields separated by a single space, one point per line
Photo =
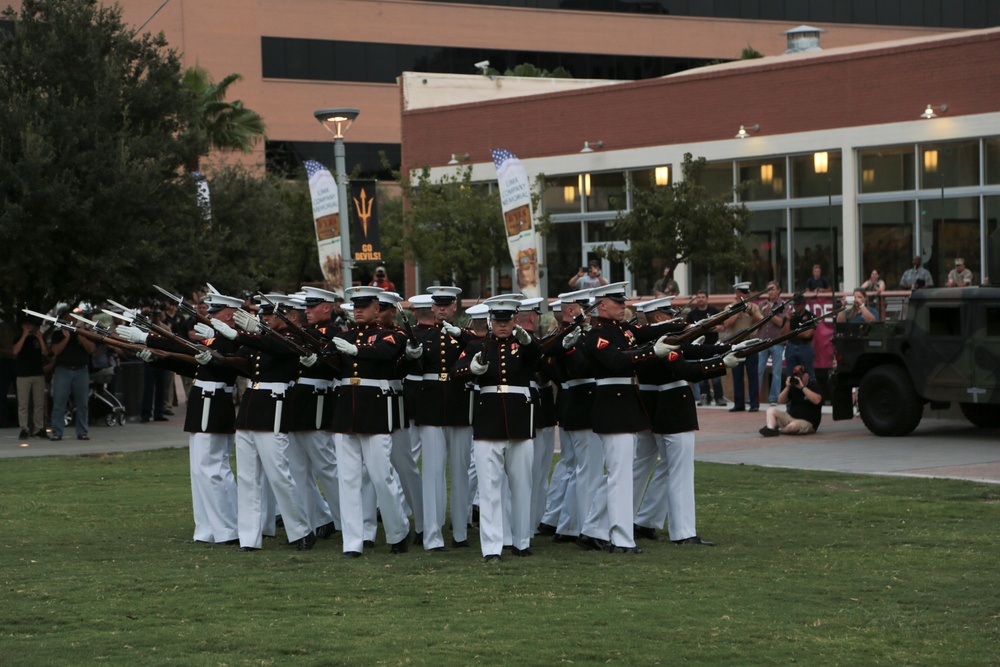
x=103 y=404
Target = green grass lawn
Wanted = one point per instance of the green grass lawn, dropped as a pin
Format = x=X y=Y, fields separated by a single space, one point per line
x=811 y=568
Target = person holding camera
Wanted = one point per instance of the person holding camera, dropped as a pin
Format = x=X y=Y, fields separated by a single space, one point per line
x=805 y=407
x=859 y=312
x=588 y=278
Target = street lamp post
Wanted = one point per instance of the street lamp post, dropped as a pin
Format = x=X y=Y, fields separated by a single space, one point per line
x=821 y=166
x=337 y=122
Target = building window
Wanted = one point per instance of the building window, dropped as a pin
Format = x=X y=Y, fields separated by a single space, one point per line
x=767 y=240
x=992 y=160
x=816 y=239
x=717 y=179
x=562 y=195
x=887 y=169
x=766 y=178
x=605 y=191
x=952 y=225
x=887 y=240
x=949 y=165
x=816 y=174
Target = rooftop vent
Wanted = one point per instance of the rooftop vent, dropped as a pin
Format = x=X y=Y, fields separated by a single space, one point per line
x=802 y=39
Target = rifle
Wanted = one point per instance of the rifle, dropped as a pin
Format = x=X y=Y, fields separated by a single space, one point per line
x=745 y=333
x=309 y=339
x=764 y=344
x=550 y=341
x=182 y=304
x=703 y=326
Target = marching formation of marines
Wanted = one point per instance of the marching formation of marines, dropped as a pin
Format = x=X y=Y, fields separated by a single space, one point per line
x=342 y=424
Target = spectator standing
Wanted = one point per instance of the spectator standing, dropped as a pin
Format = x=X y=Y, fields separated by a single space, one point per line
x=804 y=411
x=699 y=311
x=30 y=351
x=859 y=312
x=382 y=280
x=776 y=353
x=799 y=349
x=71 y=376
x=817 y=282
x=733 y=325
x=959 y=276
x=588 y=278
x=666 y=286
x=154 y=381
x=916 y=273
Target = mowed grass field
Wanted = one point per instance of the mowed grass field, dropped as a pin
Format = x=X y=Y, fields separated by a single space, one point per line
x=811 y=569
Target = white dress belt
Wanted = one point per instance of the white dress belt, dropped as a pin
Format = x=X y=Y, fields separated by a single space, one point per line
x=606 y=381
x=273 y=387
x=663 y=387
x=365 y=382
x=505 y=389
x=213 y=386
x=396 y=385
x=414 y=378
x=319 y=383
x=576 y=383
x=438 y=377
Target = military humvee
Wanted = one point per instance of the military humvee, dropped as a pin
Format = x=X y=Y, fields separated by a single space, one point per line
x=947 y=350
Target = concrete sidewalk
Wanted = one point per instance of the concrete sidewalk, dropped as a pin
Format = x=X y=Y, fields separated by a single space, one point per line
x=938 y=448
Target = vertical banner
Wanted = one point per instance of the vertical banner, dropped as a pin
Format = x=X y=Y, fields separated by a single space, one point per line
x=820 y=306
x=326 y=213
x=364 y=233
x=203 y=195
x=515 y=200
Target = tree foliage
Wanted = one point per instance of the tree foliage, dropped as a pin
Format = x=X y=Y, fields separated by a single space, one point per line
x=453 y=227
x=92 y=124
x=682 y=222
x=529 y=70
x=218 y=124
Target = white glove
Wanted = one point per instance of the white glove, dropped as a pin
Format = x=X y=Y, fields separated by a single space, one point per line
x=145 y=355
x=308 y=360
x=731 y=360
x=571 y=338
x=451 y=329
x=700 y=340
x=131 y=334
x=478 y=365
x=414 y=352
x=749 y=342
x=662 y=348
x=204 y=331
x=203 y=358
x=224 y=329
x=246 y=321
x=522 y=336
x=345 y=348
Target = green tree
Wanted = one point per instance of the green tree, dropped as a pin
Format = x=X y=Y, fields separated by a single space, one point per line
x=453 y=227
x=219 y=125
x=92 y=125
x=527 y=69
x=682 y=222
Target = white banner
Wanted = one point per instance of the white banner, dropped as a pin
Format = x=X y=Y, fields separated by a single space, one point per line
x=515 y=200
x=326 y=213
x=204 y=197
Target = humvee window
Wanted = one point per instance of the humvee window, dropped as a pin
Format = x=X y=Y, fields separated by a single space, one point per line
x=944 y=321
x=993 y=322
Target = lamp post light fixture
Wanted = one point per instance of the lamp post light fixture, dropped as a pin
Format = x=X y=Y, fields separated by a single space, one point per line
x=337 y=122
x=821 y=165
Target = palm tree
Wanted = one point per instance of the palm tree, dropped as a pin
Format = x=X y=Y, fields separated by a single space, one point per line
x=219 y=125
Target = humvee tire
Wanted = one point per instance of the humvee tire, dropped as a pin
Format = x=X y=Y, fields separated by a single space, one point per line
x=981 y=415
x=888 y=403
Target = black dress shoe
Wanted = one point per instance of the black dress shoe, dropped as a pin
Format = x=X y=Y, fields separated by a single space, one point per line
x=83 y=437
x=645 y=532
x=562 y=539
x=754 y=410
x=588 y=543
x=352 y=554
x=23 y=435
x=278 y=521
x=475 y=514
x=305 y=543
x=229 y=543
x=368 y=544
x=460 y=544
x=202 y=542
x=522 y=553
x=41 y=433
x=546 y=529
x=400 y=547
x=326 y=531
x=695 y=540
x=437 y=549
x=246 y=549
x=160 y=419
x=418 y=540
x=492 y=558
x=626 y=550
x=736 y=409
x=55 y=438
x=168 y=412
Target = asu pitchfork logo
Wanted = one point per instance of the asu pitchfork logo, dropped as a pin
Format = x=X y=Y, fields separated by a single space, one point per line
x=363 y=206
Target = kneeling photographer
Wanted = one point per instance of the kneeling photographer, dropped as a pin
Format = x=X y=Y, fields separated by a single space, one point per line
x=805 y=407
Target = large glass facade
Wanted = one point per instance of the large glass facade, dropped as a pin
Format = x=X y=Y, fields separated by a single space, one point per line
x=886 y=239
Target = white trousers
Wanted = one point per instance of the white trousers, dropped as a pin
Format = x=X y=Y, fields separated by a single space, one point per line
x=451 y=447
x=373 y=452
x=591 y=502
x=619 y=452
x=262 y=458
x=409 y=476
x=493 y=459
x=545 y=443
x=213 y=487
x=647 y=453
x=313 y=463
x=671 y=491
x=560 y=502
